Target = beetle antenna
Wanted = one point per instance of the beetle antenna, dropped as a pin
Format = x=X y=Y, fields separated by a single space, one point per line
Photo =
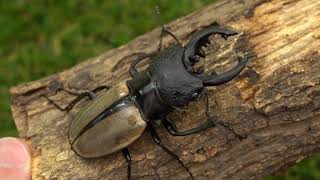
x=163 y=29
x=157 y=10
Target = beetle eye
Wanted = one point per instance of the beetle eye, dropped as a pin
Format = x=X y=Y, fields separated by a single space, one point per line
x=194 y=95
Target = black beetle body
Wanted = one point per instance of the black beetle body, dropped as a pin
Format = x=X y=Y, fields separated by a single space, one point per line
x=118 y=116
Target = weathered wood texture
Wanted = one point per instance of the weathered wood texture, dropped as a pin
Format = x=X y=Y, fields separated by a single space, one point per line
x=275 y=102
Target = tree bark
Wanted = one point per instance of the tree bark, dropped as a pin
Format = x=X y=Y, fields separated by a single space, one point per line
x=275 y=102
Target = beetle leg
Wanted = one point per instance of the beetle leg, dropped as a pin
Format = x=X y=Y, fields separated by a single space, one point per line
x=127 y=156
x=157 y=139
x=214 y=123
x=74 y=102
x=133 y=71
x=226 y=125
x=90 y=94
x=171 y=128
x=161 y=38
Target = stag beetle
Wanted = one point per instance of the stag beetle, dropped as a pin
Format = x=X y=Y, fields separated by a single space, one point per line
x=120 y=114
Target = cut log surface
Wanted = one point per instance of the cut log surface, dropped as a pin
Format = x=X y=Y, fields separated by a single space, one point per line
x=275 y=101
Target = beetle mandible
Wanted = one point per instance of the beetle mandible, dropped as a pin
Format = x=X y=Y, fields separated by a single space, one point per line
x=120 y=114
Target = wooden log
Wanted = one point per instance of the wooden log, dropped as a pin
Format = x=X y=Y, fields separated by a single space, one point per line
x=275 y=101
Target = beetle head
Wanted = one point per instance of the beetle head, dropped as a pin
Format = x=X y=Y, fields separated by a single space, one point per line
x=171 y=69
x=175 y=85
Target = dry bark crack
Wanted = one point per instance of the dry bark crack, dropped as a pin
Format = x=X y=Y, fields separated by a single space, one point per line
x=275 y=101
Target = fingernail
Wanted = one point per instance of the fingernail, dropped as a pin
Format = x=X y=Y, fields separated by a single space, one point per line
x=15 y=161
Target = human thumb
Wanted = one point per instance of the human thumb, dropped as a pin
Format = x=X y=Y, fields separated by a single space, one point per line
x=15 y=160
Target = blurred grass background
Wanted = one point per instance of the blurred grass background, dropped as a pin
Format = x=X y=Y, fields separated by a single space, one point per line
x=42 y=37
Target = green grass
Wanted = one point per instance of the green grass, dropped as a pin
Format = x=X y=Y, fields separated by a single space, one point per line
x=307 y=169
x=39 y=38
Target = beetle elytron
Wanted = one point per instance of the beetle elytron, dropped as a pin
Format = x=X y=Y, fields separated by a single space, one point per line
x=118 y=116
